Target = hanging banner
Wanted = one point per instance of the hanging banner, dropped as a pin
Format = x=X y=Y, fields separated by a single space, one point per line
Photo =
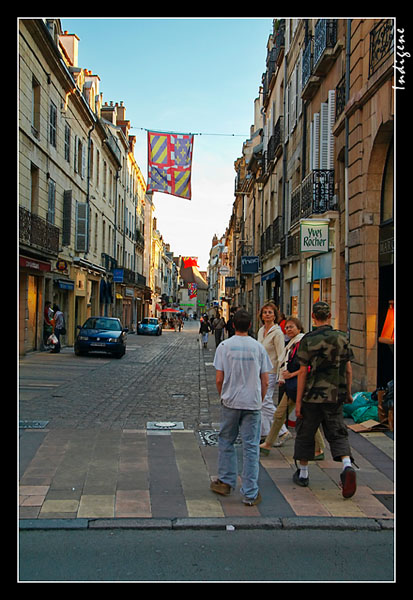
x=314 y=236
x=192 y=290
x=169 y=163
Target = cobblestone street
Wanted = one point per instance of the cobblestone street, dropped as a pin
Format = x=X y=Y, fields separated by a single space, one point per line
x=159 y=378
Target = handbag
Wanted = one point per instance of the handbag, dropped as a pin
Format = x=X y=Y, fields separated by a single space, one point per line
x=292 y=366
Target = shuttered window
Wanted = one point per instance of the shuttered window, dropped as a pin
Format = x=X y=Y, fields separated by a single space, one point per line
x=321 y=135
x=82 y=211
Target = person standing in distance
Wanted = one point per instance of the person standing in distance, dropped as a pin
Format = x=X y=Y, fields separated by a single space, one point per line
x=242 y=366
x=321 y=392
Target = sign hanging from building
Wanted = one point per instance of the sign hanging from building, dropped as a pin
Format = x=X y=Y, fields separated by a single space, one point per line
x=250 y=264
x=314 y=236
x=169 y=163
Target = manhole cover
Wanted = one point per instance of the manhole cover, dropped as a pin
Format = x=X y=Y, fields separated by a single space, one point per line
x=158 y=425
x=209 y=437
x=32 y=424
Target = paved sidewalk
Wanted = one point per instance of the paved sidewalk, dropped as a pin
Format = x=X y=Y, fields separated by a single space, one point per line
x=91 y=477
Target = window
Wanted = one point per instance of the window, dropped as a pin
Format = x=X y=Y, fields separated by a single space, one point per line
x=51 y=201
x=321 y=137
x=81 y=226
x=67 y=142
x=52 y=124
x=35 y=107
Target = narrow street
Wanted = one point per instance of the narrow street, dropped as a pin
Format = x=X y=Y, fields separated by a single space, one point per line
x=112 y=448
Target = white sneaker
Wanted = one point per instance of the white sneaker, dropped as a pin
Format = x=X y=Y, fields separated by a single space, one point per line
x=282 y=439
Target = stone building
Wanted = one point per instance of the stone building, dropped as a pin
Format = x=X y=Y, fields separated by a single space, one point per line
x=315 y=183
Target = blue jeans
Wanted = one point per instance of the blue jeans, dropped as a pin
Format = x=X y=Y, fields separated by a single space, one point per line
x=248 y=424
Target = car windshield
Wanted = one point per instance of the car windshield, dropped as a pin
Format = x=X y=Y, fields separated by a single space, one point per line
x=102 y=323
x=147 y=321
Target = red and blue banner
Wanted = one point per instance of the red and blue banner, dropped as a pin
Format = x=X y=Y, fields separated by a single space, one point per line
x=169 y=163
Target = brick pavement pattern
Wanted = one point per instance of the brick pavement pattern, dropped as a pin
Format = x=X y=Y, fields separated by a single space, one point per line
x=94 y=456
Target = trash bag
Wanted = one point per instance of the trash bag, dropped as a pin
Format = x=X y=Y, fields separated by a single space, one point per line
x=360 y=399
x=365 y=413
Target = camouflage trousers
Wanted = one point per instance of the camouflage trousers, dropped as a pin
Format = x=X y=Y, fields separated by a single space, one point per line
x=330 y=416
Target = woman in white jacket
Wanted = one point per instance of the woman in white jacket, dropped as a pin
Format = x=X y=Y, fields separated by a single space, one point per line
x=270 y=335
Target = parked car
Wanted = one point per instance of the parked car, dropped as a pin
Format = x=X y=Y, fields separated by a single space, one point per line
x=149 y=326
x=101 y=334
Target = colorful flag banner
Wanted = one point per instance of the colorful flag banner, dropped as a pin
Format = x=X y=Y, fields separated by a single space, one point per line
x=190 y=261
x=169 y=163
x=192 y=290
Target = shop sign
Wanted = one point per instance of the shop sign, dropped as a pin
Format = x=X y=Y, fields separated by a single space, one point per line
x=118 y=275
x=250 y=264
x=38 y=265
x=224 y=270
x=230 y=282
x=314 y=236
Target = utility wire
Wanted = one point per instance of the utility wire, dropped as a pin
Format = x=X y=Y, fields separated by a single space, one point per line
x=199 y=133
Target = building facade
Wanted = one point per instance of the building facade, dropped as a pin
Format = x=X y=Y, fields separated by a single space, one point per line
x=85 y=220
x=314 y=185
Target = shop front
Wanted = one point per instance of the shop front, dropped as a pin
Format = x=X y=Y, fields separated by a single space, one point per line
x=32 y=275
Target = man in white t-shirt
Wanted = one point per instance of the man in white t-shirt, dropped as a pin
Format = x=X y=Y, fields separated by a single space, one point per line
x=242 y=366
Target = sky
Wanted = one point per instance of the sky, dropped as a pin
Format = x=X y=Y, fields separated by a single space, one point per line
x=185 y=75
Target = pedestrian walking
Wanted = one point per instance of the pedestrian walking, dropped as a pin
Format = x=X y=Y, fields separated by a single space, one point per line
x=47 y=322
x=271 y=337
x=230 y=324
x=321 y=393
x=59 y=327
x=219 y=327
x=204 y=329
x=242 y=366
x=287 y=382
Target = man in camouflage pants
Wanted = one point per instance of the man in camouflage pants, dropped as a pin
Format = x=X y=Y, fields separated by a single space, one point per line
x=323 y=385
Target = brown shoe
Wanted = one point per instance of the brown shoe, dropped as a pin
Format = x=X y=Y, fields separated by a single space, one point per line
x=219 y=487
x=253 y=501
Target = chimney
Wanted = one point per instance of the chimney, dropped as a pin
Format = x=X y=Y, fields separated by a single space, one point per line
x=108 y=112
x=70 y=45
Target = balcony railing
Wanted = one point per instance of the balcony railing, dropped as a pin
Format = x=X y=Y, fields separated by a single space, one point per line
x=38 y=233
x=325 y=37
x=271 y=236
x=314 y=196
x=381 y=44
x=317 y=192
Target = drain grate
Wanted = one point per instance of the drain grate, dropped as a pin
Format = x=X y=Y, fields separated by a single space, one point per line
x=164 y=425
x=32 y=424
x=209 y=437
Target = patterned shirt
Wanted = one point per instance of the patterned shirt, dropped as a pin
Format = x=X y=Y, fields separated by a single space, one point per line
x=326 y=351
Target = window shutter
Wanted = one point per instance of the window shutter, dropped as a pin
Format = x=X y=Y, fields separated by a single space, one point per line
x=75 y=164
x=324 y=135
x=81 y=226
x=316 y=141
x=51 y=201
x=287 y=116
x=331 y=121
x=83 y=159
x=67 y=217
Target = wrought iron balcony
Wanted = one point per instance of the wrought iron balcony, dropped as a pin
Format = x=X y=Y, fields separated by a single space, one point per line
x=317 y=192
x=314 y=196
x=381 y=44
x=325 y=37
x=38 y=233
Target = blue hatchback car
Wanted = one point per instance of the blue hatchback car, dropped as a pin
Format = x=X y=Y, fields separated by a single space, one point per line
x=149 y=326
x=101 y=334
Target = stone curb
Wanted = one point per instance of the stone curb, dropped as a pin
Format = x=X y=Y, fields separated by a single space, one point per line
x=228 y=523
